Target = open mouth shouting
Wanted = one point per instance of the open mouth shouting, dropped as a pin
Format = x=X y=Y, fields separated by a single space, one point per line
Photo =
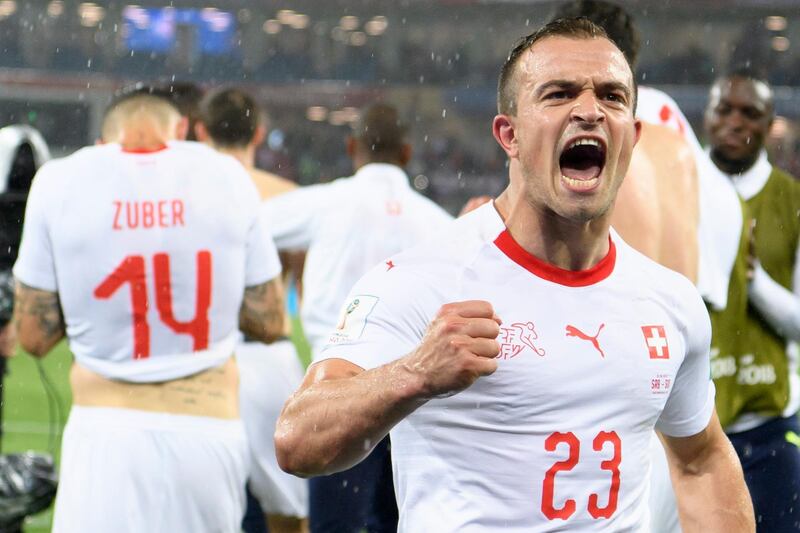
x=582 y=162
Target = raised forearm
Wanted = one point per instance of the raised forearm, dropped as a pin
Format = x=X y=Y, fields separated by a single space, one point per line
x=38 y=320
x=332 y=424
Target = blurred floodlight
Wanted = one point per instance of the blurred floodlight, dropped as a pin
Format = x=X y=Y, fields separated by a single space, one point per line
x=272 y=26
x=140 y=17
x=358 y=38
x=299 y=21
x=7 y=8
x=775 y=23
x=349 y=22
x=55 y=8
x=91 y=14
x=345 y=115
x=780 y=44
x=337 y=118
x=350 y=113
x=285 y=16
x=780 y=127
x=317 y=113
x=377 y=25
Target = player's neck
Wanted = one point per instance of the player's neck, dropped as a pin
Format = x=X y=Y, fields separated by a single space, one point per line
x=143 y=141
x=733 y=166
x=550 y=238
x=245 y=155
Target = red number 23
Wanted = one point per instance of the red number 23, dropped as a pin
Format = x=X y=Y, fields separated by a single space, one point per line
x=574 y=445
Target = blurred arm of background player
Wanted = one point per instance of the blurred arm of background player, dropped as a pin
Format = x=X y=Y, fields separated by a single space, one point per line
x=779 y=306
x=318 y=433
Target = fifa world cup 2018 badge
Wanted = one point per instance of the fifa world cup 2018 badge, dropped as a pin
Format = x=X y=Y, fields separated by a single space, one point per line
x=353 y=318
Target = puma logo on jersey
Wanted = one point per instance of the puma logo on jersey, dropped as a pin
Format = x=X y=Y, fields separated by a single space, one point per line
x=572 y=331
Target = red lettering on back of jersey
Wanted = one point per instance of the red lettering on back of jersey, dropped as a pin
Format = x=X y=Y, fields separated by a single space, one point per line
x=147 y=214
x=117 y=210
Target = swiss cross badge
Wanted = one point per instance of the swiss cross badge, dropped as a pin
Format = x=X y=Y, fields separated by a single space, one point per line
x=656 y=341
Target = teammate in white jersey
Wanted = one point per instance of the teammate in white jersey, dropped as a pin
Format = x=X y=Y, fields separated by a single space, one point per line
x=149 y=254
x=348 y=226
x=523 y=360
x=232 y=122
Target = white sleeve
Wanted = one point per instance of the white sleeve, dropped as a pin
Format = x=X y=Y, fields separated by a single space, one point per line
x=291 y=216
x=779 y=306
x=35 y=265
x=691 y=401
x=261 y=257
x=262 y=262
x=381 y=320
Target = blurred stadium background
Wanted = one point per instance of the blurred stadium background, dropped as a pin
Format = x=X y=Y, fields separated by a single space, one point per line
x=313 y=63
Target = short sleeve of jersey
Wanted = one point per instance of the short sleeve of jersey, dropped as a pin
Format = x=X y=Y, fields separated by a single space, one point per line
x=35 y=265
x=262 y=262
x=691 y=402
x=291 y=215
x=384 y=318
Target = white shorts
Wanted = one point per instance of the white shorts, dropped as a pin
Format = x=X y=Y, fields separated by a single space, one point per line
x=268 y=375
x=126 y=470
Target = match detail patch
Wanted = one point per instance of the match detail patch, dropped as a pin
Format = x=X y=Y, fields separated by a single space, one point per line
x=353 y=319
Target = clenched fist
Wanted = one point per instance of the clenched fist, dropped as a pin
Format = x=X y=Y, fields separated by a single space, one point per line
x=458 y=348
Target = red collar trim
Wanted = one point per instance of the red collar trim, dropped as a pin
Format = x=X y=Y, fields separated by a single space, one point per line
x=571 y=278
x=145 y=150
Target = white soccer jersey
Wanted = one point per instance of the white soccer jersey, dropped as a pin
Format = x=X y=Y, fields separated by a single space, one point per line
x=149 y=253
x=558 y=438
x=348 y=226
x=720 y=209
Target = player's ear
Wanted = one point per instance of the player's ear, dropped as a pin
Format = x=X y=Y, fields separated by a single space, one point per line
x=201 y=132
x=405 y=154
x=259 y=135
x=351 y=146
x=504 y=134
x=637 y=129
x=182 y=129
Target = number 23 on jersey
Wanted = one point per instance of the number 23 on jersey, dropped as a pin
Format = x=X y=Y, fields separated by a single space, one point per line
x=574 y=449
x=132 y=270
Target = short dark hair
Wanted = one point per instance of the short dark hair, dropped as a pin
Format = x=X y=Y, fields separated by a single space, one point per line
x=747 y=71
x=381 y=133
x=617 y=23
x=231 y=117
x=581 y=28
x=751 y=73
x=137 y=90
x=186 y=96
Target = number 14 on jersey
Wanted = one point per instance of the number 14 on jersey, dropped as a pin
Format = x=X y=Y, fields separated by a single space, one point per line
x=132 y=271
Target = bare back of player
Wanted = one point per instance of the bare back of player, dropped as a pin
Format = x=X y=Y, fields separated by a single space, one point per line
x=657 y=210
